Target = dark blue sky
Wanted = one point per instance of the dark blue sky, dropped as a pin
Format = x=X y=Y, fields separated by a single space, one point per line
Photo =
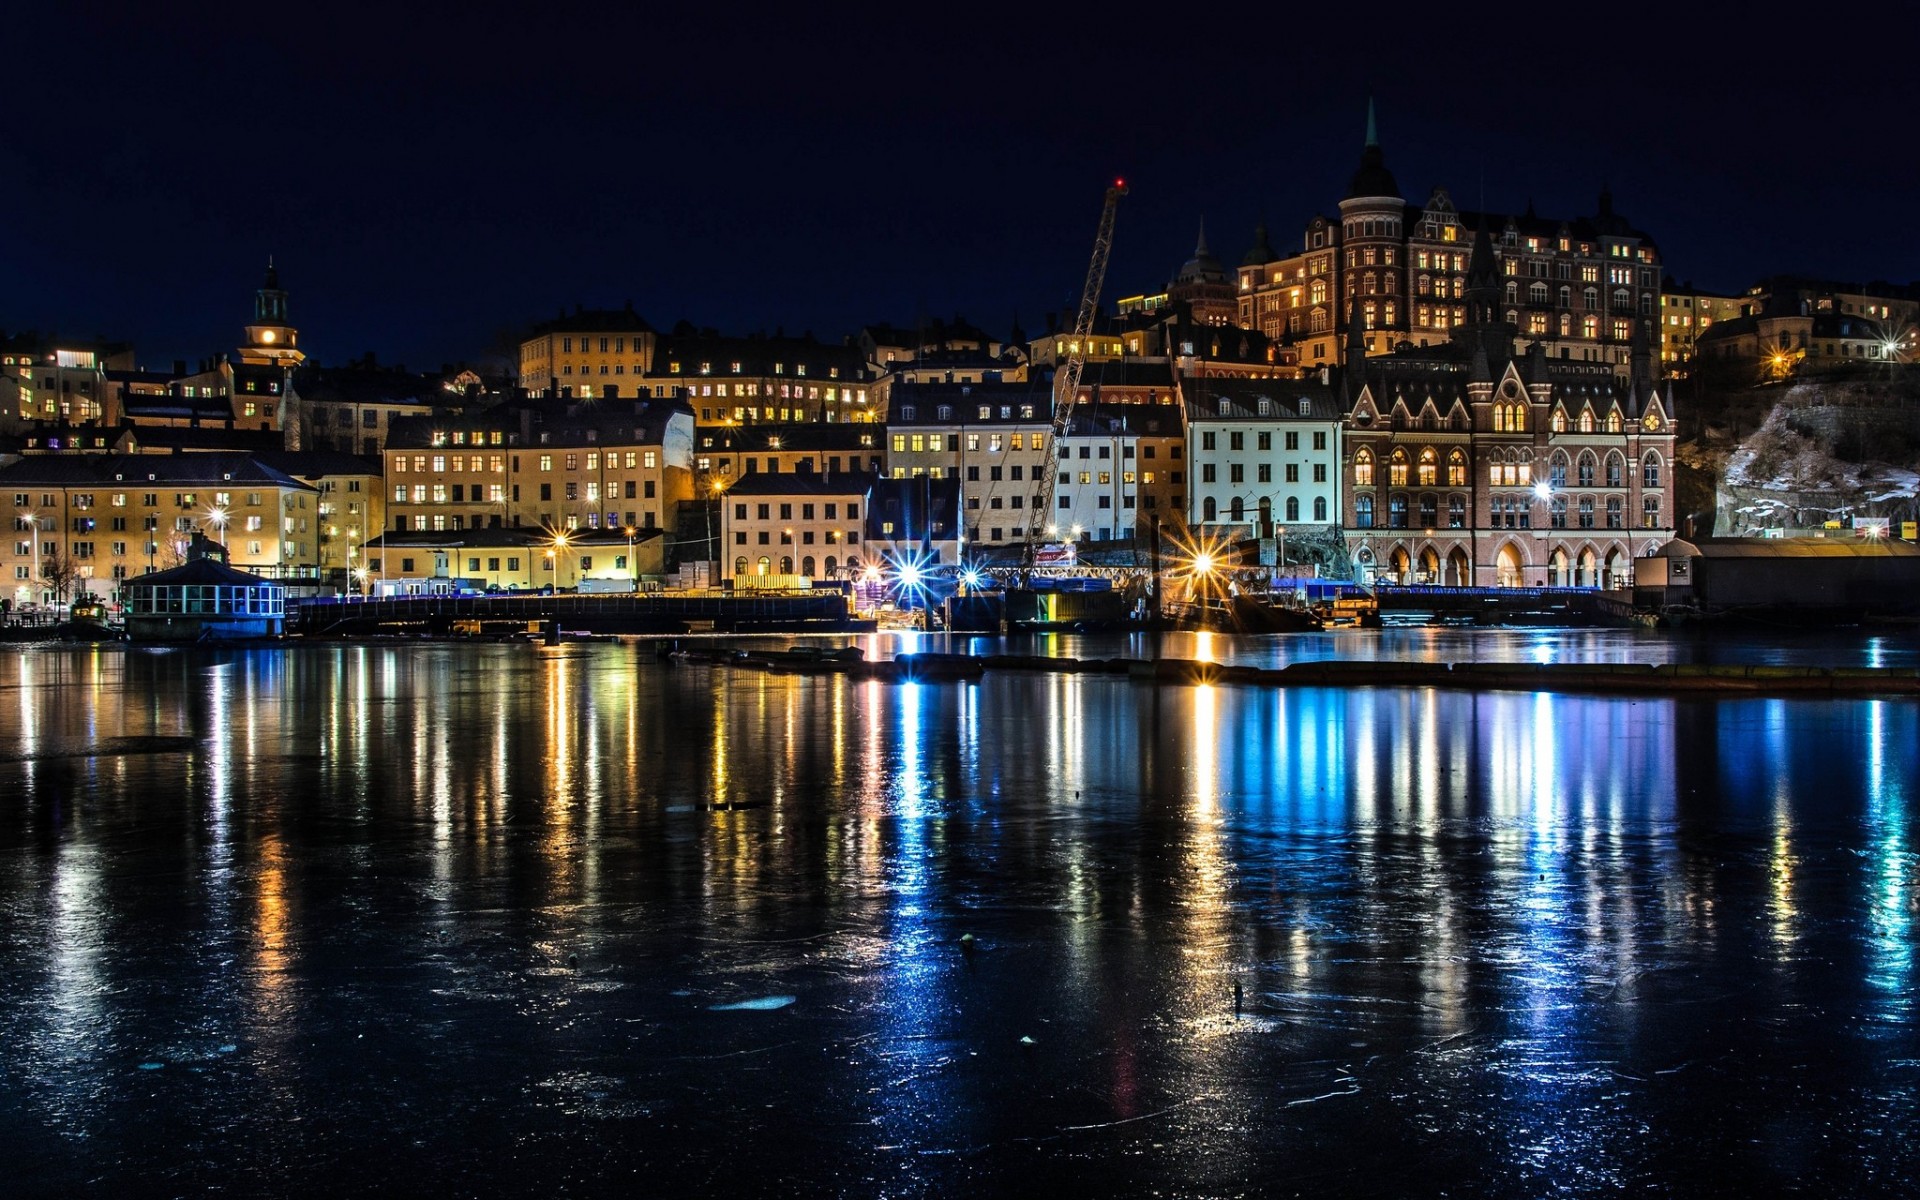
x=428 y=180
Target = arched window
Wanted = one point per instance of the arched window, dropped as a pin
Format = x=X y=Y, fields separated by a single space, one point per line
x=1397 y=469
x=1557 y=512
x=1586 y=512
x=1429 y=466
x=1585 y=469
x=1557 y=470
x=1363 y=468
x=1457 y=469
x=806 y=566
x=1293 y=509
x=1613 y=421
x=740 y=565
x=1650 y=470
x=1208 y=511
x=1429 y=510
x=786 y=564
x=765 y=565
x=1559 y=422
x=1615 y=512
x=1236 y=510
x=1456 y=512
x=1616 y=470
x=830 y=566
x=1397 y=511
x=1586 y=420
x=1537 y=293
x=1362 y=512
x=1320 y=508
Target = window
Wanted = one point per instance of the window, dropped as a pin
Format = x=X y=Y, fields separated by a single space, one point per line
x=1397 y=469
x=1650 y=470
x=1397 y=512
x=1650 y=512
x=1429 y=467
x=1557 y=512
x=1363 y=468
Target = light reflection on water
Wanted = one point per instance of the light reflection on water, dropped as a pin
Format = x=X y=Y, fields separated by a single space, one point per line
x=1529 y=938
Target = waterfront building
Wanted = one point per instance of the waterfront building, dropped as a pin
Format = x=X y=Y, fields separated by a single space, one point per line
x=1471 y=462
x=508 y=558
x=1263 y=454
x=1121 y=466
x=992 y=438
x=916 y=521
x=349 y=507
x=1579 y=286
x=787 y=526
x=89 y=521
x=204 y=600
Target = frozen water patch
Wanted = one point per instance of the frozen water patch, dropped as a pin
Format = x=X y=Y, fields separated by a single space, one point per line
x=757 y=1004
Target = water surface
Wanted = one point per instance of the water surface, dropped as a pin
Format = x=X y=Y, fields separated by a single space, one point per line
x=517 y=920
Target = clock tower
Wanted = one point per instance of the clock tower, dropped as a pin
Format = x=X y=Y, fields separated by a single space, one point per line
x=270 y=340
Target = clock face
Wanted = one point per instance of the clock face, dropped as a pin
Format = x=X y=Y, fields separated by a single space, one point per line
x=268 y=335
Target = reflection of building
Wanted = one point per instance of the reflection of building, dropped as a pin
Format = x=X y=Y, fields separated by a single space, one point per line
x=1263 y=454
x=1579 y=286
x=1469 y=463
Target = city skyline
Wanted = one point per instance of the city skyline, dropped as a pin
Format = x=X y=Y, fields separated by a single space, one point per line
x=422 y=205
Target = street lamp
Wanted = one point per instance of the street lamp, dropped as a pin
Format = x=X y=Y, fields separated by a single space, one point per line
x=219 y=518
x=360 y=579
x=633 y=568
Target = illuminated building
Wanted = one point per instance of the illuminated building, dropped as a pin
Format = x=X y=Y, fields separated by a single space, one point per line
x=938 y=351
x=1264 y=454
x=761 y=380
x=59 y=382
x=587 y=352
x=350 y=507
x=1203 y=287
x=1469 y=462
x=610 y=464
x=1784 y=324
x=113 y=517
x=1578 y=286
x=992 y=438
x=1685 y=314
x=510 y=559
x=271 y=340
x=728 y=452
x=781 y=526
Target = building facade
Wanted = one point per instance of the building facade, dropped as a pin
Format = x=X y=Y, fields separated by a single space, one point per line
x=993 y=439
x=1263 y=455
x=1579 y=286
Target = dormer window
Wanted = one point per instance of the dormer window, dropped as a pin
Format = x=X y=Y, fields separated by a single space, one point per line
x=906 y=412
x=1225 y=407
x=1306 y=406
x=1264 y=406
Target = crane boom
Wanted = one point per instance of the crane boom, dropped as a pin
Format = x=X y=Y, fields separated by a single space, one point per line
x=1066 y=380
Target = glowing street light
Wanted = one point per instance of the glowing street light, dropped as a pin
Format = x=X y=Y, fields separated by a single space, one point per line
x=219 y=518
x=33 y=523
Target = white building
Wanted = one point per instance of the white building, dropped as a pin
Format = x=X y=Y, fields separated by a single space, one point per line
x=1262 y=454
x=991 y=437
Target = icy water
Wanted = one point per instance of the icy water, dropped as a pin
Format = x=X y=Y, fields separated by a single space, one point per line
x=511 y=920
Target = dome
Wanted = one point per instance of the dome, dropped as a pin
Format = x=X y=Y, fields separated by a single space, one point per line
x=1203 y=267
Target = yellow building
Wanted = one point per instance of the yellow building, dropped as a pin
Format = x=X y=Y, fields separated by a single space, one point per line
x=588 y=352
x=90 y=520
x=512 y=560
x=1687 y=312
x=608 y=465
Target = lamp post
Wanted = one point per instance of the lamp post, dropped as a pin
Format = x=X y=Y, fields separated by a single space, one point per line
x=633 y=568
x=219 y=518
x=1543 y=491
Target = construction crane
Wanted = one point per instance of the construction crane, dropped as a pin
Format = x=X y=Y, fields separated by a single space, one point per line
x=1066 y=379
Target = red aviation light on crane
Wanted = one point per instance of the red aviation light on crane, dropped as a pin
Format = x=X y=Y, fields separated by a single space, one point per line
x=1119 y=183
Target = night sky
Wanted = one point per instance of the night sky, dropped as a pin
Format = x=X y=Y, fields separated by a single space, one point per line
x=432 y=182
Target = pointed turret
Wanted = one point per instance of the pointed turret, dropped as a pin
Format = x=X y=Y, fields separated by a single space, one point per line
x=1372 y=179
x=1262 y=252
x=1356 y=333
